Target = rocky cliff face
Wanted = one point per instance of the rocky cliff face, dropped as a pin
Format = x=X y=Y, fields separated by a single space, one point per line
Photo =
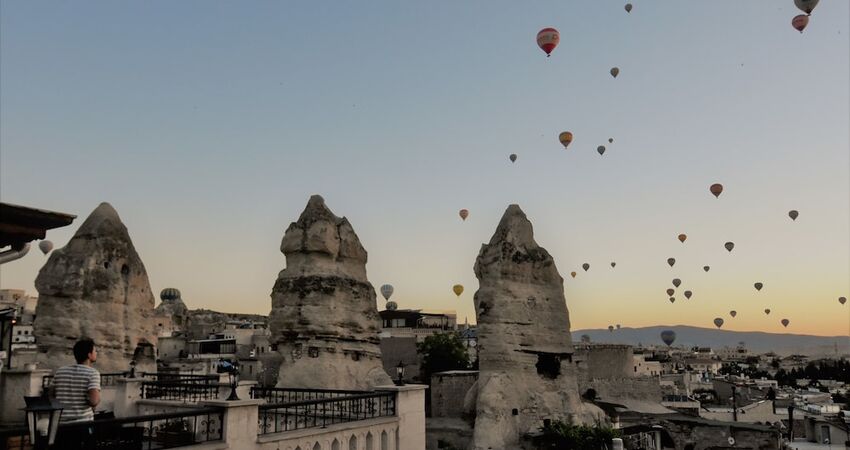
x=324 y=318
x=524 y=348
x=95 y=287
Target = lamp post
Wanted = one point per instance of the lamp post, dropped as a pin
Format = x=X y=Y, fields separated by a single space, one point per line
x=43 y=415
x=399 y=372
x=132 y=369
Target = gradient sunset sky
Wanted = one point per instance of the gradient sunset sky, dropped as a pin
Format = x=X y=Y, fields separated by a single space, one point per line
x=207 y=125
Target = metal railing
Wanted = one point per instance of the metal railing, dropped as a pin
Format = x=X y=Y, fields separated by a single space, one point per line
x=173 y=376
x=280 y=417
x=187 y=392
x=157 y=431
x=289 y=395
x=106 y=379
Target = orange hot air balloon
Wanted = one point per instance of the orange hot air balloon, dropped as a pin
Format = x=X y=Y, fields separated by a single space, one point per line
x=565 y=138
x=785 y=322
x=682 y=237
x=464 y=213
x=671 y=261
x=548 y=39
x=573 y=274
x=670 y=292
x=733 y=313
x=716 y=189
x=800 y=22
x=458 y=289
x=729 y=246
x=793 y=214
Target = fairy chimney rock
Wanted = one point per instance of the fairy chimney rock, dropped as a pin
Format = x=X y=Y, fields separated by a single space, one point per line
x=96 y=287
x=324 y=318
x=524 y=348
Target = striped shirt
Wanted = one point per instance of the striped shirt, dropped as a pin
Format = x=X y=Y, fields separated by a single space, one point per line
x=72 y=384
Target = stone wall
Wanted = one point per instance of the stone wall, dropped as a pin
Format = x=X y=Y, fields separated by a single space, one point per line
x=448 y=391
x=707 y=435
x=603 y=361
x=395 y=349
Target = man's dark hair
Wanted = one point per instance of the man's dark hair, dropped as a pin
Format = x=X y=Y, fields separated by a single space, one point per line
x=82 y=349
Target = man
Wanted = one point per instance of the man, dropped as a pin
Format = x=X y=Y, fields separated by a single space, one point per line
x=77 y=386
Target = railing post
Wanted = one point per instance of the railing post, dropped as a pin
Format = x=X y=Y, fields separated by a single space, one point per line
x=241 y=418
x=410 y=410
x=127 y=393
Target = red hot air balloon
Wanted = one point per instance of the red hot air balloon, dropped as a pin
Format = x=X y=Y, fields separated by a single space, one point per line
x=716 y=189
x=682 y=237
x=800 y=22
x=548 y=39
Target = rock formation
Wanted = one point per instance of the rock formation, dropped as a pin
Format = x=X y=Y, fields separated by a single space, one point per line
x=95 y=287
x=324 y=318
x=524 y=347
x=172 y=309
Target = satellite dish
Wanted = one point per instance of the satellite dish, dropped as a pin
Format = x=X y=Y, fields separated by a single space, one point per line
x=731 y=440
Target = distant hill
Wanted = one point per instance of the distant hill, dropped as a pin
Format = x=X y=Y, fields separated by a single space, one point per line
x=755 y=341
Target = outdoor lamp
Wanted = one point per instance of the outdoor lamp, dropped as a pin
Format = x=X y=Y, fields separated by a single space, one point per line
x=399 y=372
x=42 y=420
x=233 y=375
x=132 y=369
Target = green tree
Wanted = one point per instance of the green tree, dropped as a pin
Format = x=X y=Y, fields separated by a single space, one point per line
x=559 y=435
x=441 y=352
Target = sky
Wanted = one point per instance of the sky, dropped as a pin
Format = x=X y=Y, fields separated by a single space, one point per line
x=207 y=125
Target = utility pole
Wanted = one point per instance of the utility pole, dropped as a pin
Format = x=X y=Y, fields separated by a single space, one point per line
x=790 y=423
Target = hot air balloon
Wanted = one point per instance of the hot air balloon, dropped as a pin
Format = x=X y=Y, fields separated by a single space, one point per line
x=785 y=322
x=672 y=299
x=682 y=237
x=458 y=289
x=716 y=189
x=618 y=326
x=573 y=274
x=733 y=313
x=676 y=282
x=628 y=7
x=671 y=261
x=615 y=71
x=610 y=140
x=548 y=39
x=601 y=149
x=800 y=22
x=842 y=300
x=729 y=246
x=793 y=214
x=45 y=246
x=806 y=5
x=758 y=286
x=668 y=337
x=464 y=213
x=512 y=157
x=706 y=268
x=688 y=294
x=565 y=138
x=718 y=322
x=387 y=291
x=670 y=292
x=767 y=311
x=611 y=328
x=585 y=266
x=613 y=264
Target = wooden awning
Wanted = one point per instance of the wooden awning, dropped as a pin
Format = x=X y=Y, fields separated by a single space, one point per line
x=19 y=224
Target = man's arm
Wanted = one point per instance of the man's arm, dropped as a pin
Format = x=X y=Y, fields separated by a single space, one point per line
x=93 y=394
